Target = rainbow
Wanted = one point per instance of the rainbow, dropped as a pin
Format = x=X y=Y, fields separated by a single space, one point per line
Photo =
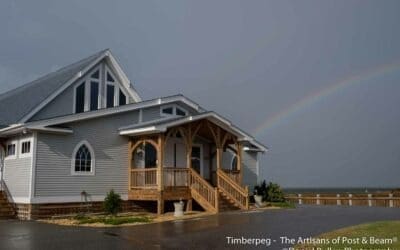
x=314 y=97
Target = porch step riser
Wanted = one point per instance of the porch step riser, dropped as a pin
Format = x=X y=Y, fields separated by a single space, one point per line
x=226 y=204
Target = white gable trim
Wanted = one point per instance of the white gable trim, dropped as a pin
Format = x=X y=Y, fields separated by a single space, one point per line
x=61 y=89
x=212 y=116
x=109 y=111
x=123 y=77
x=114 y=65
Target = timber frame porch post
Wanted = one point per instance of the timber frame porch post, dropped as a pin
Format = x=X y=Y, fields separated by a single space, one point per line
x=239 y=148
x=160 y=175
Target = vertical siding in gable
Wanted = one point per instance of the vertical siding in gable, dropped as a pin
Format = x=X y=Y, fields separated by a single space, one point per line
x=54 y=154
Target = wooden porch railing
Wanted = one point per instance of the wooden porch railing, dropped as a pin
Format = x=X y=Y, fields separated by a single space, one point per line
x=239 y=194
x=233 y=174
x=144 y=178
x=205 y=194
x=176 y=177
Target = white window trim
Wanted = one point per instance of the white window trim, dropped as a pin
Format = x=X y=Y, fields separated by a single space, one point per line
x=93 y=160
x=233 y=157
x=24 y=155
x=117 y=87
x=11 y=157
x=174 y=107
x=115 y=93
x=86 y=81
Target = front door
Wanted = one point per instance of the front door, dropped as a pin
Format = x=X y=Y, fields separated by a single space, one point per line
x=197 y=159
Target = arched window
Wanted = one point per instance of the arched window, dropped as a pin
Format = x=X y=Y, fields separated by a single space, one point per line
x=234 y=163
x=83 y=159
x=145 y=156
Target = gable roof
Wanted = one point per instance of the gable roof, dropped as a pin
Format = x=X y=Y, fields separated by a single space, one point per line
x=20 y=104
x=162 y=126
x=16 y=103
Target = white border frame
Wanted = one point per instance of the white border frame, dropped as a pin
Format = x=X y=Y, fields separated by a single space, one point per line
x=93 y=160
x=117 y=87
x=87 y=82
x=25 y=155
x=14 y=156
x=174 y=107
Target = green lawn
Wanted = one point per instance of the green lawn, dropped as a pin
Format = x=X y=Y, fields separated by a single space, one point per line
x=112 y=220
x=378 y=235
x=284 y=204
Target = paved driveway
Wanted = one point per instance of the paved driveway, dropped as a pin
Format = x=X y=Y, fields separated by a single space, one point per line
x=204 y=233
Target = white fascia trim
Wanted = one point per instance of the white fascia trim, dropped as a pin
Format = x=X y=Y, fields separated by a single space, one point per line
x=142 y=124
x=23 y=128
x=138 y=131
x=124 y=78
x=104 y=112
x=62 y=199
x=13 y=126
x=62 y=88
x=52 y=130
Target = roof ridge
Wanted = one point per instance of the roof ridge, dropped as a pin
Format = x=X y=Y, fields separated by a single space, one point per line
x=43 y=77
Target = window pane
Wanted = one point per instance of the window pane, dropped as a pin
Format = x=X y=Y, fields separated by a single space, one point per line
x=10 y=149
x=234 y=163
x=167 y=111
x=150 y=156
x=94 y=95
x=180 y=112
x=80 y=98
x=110 y=96
x=95 y=75
x=26 y=147
x=109 y=77
x=83 y=160
x=122 y=98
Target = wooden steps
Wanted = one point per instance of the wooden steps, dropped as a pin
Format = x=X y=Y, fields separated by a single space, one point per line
x=226 y=204
x=6 y=210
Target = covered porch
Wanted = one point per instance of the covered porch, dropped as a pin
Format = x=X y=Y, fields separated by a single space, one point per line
x=186 y=159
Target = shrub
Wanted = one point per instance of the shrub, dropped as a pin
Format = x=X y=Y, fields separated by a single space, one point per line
x=112 y=202
x=274 y=193
x=271 y=192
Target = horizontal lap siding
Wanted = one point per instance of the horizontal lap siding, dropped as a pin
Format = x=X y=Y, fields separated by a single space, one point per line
x=250 y=168
x=54 y=153
x=152 y=113
x=17 y=173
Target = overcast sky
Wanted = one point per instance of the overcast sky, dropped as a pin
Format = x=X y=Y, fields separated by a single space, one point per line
x=247 y=60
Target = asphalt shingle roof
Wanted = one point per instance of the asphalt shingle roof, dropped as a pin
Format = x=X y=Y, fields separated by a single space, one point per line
x=17 y=103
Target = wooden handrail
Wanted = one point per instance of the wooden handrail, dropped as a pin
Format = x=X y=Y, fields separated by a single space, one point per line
x=178 y=177
x=143 y=177
x=233 y=174
x=205 y=194
x=239 y=194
